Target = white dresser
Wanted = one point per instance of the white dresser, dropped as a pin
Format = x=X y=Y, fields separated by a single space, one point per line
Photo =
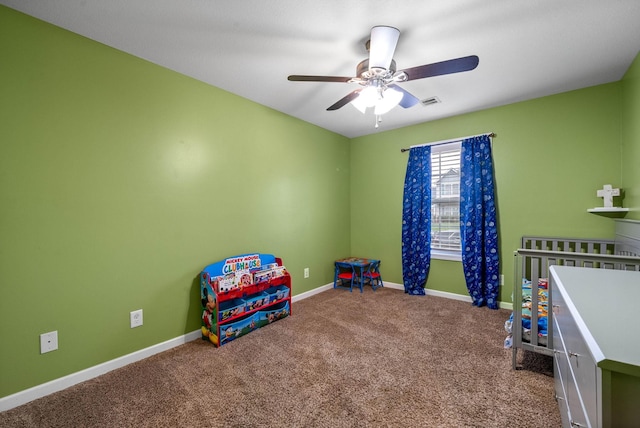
x=596 y=343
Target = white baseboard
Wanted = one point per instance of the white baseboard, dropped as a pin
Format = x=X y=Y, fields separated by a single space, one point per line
x=313 y=292
x=431 y=292
x=39 y=391
x=446 y=294
x=506 y=305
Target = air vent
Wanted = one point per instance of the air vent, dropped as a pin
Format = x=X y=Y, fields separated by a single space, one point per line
x=430 y=100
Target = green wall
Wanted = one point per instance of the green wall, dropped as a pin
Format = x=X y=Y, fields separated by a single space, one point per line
x=550 y=156
x=631 y=139
x=120 y=180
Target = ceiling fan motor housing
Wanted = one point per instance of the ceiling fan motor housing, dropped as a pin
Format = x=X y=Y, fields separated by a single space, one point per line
x=362 y=70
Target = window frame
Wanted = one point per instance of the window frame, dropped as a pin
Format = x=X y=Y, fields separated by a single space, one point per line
x=438 y=253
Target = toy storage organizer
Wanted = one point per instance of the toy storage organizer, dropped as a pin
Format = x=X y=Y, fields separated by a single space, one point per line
x=241 y=294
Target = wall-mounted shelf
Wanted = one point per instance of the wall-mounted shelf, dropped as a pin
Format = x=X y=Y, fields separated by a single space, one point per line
x=609 y=211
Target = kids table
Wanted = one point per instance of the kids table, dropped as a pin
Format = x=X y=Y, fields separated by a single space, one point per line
x=361 y=264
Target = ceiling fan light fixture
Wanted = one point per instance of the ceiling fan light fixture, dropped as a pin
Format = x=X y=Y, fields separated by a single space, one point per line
x=381 y=100
x=367 y=98
x=390 y=99
x=369 y=95
x=360 y=104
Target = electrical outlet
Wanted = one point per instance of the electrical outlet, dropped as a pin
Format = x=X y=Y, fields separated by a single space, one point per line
x=136 y=318
x=306 y=272
x=501 y=279
x=48 y=342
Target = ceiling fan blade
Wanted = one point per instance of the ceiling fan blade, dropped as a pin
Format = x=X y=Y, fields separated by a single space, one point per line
x=345 y=100
x=339 y=79
x=382 y=46
x=457 y=65
x=408 y=99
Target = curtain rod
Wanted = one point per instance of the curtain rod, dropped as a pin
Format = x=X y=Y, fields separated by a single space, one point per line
x=455 y=140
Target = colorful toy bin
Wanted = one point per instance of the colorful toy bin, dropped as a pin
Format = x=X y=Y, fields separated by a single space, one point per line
x=231 y=308
x=278 y=292
x=238 y=328
x=256 y=301
x=273 y=313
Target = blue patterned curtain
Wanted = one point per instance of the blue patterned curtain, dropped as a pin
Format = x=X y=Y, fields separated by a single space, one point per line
x=478 y=226
x=416 y=219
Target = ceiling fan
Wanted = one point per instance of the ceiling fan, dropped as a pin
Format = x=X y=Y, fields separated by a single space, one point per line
x=378 y=76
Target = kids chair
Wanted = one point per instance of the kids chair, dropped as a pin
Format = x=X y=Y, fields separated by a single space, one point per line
x=345 y=273
x=372 y=275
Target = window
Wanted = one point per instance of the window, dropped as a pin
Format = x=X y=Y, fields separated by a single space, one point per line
x=445 y=201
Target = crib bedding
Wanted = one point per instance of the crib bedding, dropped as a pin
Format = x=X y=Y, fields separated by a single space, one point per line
x=527 y=303
x=543 y=305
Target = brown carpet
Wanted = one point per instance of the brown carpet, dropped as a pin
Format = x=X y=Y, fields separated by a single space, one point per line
x=377 y=359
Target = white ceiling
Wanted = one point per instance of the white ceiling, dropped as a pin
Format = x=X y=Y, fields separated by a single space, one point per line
x=527 y=48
